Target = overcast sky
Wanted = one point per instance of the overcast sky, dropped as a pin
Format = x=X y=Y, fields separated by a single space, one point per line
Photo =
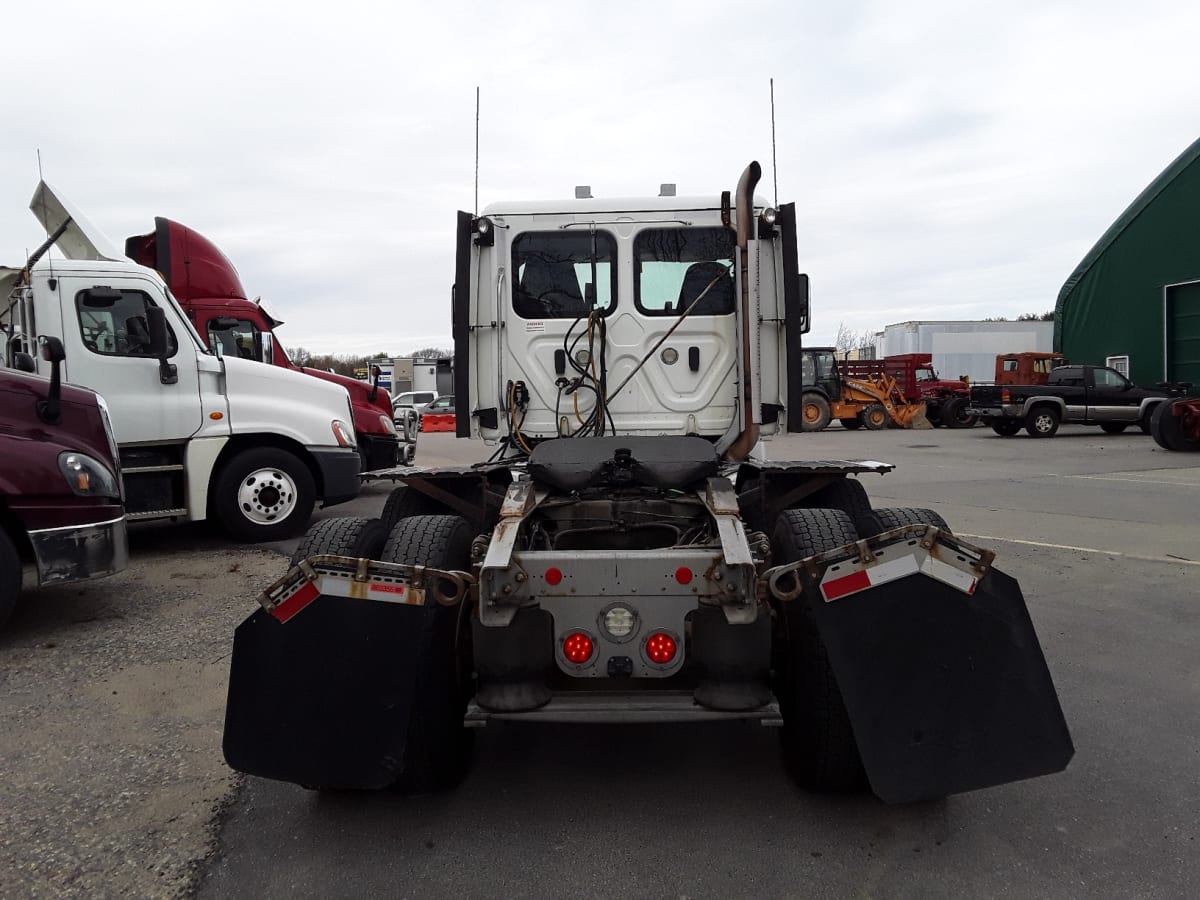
x=950 y=160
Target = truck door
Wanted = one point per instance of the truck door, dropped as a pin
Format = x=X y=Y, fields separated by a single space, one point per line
x=1111 y=397
x=107 y=344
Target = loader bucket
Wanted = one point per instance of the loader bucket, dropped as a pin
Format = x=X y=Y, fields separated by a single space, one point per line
x=910 y=416
x=939 y=667
x=323 y=700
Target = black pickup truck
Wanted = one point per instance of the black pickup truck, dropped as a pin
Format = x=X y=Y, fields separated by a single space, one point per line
x=1081 y=395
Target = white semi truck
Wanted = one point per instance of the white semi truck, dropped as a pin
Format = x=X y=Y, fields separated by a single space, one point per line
x=626 y=556
x=200 y=435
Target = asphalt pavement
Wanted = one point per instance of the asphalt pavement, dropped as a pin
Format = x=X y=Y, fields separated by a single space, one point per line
x=1102 y=532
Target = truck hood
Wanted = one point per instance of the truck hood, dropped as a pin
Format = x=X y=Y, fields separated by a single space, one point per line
x=288 y=403
x=82 y=239
x=359 y=391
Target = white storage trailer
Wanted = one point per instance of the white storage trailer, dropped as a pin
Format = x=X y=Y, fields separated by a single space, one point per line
x=965 y=348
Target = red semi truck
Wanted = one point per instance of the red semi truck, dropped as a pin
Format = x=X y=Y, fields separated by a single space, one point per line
x=207 y=286
x=61 y=498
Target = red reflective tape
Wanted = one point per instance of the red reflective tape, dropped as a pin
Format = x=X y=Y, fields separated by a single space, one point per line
x=388 y=588
x=296 y=602
x=847 y=584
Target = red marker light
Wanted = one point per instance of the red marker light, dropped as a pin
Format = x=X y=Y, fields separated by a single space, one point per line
x=683 y=575
x=578 y=647
x=661 y=648
x=553 y=576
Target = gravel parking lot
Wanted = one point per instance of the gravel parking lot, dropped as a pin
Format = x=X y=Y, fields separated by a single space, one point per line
x=112 y=694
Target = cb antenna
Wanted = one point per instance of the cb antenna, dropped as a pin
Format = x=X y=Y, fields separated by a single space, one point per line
x=477 y=150
x=774 y=167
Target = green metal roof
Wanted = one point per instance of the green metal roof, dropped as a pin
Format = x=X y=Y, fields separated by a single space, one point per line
x=1136 y=208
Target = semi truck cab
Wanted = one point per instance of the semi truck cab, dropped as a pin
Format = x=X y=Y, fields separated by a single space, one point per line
x=200 y=435
x=210 y=291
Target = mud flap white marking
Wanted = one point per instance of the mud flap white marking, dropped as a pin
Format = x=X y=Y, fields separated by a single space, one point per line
x=837 y=584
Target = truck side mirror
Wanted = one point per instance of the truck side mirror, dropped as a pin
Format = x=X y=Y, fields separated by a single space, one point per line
x=52 y=350
x=267 y=350
x=156 y=324
x=375 y=373
x=50 y=409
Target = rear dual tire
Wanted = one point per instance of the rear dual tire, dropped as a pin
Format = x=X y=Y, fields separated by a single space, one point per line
x=437 y=751
x=817 y=737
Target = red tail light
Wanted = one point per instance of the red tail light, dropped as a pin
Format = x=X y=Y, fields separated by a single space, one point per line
x=553 y=575
x=1005 y=396
x=683 y=575
x=661 y=648
x=578 y=647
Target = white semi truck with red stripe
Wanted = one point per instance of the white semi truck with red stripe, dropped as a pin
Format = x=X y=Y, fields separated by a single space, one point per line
x=629 y=554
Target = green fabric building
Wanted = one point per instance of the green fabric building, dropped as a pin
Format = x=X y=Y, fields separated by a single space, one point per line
x=1137 y=293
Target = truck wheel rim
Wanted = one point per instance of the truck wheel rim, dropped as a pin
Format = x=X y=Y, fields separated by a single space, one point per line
x=1042 y=423
x=267 y=496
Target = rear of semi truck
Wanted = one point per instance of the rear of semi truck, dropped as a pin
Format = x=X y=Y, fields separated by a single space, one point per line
x=628 y=554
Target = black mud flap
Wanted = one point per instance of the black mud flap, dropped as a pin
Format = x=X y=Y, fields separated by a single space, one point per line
x=945 y=684
x=324 y=699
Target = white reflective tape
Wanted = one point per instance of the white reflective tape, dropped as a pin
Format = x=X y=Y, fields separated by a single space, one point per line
x=949 y=575
x=848 y=580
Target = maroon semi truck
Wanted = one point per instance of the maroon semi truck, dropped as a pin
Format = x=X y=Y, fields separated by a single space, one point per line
x=208 y=287
x=61 y=497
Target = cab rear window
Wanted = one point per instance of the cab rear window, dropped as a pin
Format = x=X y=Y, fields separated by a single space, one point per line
x=681 y=268
x=563 y=274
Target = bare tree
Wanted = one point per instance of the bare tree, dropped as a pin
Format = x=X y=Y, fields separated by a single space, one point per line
x=844 y=342
x=847 y=341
